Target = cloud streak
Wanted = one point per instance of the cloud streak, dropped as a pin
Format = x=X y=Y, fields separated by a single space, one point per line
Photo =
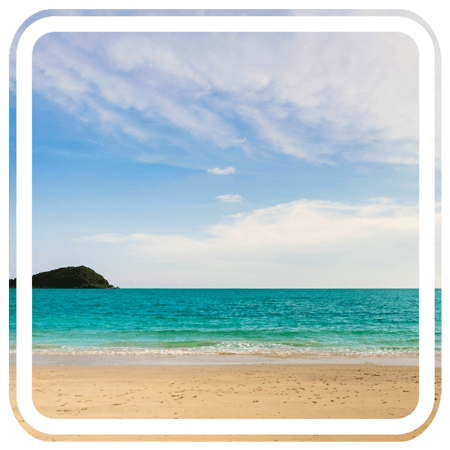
x=289 y=238
x=228 y=198
x=218 y=171
x=307 y=95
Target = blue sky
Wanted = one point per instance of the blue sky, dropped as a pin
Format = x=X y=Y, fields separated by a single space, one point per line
x=227 y=160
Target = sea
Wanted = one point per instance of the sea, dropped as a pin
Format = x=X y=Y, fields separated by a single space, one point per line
x=276 y=322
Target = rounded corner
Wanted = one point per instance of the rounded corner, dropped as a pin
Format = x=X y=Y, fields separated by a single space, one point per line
x=24 y=26
x=425 y=425
x=419 y=20
x=30 y=416
x=32 y=27
x=426 y=417
x=24 y=423
x=30 y=430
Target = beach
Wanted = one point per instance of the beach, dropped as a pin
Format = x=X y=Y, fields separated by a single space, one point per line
x=255 y=390
x=224 y=354
x=226 y=226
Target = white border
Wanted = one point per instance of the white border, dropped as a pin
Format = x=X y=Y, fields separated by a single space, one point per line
x=226 y=426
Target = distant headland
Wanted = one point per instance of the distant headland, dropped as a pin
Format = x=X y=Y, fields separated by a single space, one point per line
x=80 y=277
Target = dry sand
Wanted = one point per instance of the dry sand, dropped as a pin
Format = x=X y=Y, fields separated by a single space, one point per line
x=225 y=391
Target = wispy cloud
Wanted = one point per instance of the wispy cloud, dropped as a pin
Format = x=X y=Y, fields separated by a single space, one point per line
x=228 y=198
x=218 y=171
x=308 y=95
x=289 y=240
x=110 y=238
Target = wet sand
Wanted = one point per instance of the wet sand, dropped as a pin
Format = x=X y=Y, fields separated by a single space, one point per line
x=228 y=391
x=46 y=359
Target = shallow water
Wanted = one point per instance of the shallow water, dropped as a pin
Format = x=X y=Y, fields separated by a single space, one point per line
x=233 y=321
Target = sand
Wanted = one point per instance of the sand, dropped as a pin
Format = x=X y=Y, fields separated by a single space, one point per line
x=233 y=391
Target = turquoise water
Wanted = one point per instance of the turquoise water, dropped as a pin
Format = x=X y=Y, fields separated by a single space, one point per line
x=205 y=321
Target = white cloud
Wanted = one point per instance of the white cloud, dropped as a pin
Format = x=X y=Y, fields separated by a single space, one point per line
x=299 y=93
x=218 y=171
x=107 y=237
x=299 y=244
x=229 y=198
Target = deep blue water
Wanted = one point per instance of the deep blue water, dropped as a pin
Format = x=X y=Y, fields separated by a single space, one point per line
x=173 y=321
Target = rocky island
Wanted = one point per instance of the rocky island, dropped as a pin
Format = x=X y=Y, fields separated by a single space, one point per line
x=80 y=277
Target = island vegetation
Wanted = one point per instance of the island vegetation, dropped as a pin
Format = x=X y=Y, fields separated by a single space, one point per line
x=80 y=277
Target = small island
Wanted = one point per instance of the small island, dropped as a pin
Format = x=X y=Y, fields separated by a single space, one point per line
x=80 y=277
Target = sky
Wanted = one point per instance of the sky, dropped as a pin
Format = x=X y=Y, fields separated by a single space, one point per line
x=247 y=160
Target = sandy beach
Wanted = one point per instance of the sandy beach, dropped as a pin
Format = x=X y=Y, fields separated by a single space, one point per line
x=225 y=391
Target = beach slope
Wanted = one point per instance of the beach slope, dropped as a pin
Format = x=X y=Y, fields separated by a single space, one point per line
x=250 y=391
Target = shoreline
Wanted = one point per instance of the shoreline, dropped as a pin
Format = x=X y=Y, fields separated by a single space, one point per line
x=220 y=359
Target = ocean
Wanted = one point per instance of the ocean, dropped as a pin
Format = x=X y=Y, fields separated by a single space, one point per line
x=279 y=322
